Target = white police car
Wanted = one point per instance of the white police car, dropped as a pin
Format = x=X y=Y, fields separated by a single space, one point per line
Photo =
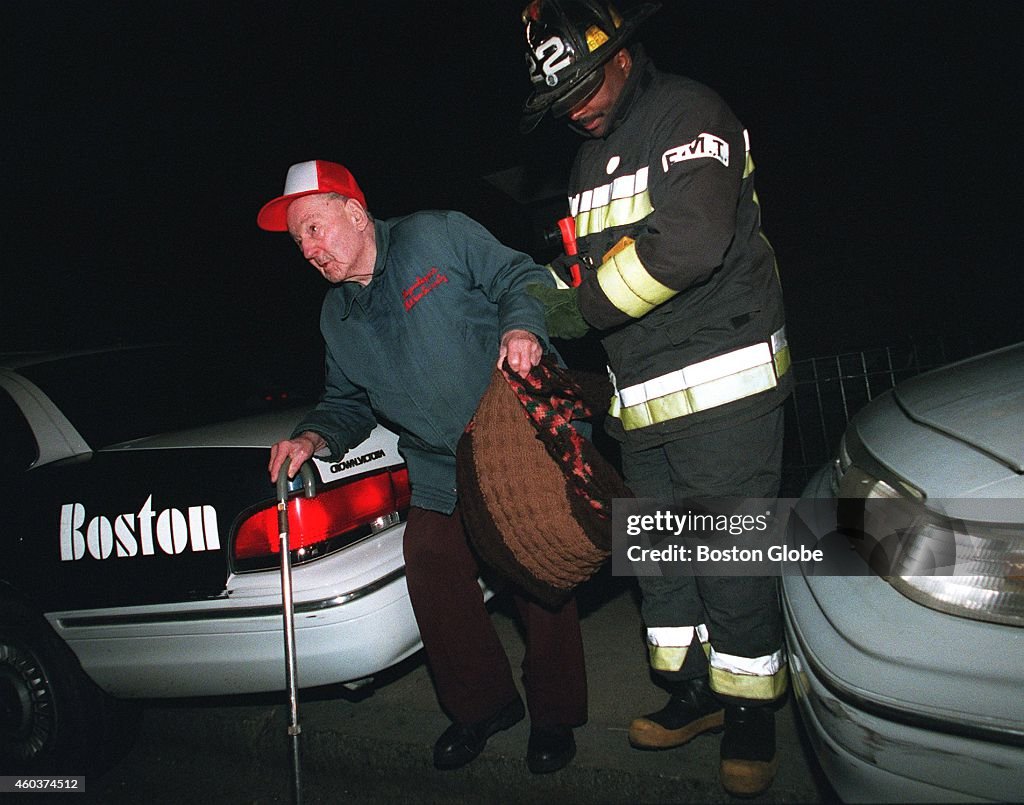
x=909 y=669
x=139 y=549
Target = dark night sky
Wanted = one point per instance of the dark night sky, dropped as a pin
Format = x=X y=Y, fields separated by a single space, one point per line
x=142 y=139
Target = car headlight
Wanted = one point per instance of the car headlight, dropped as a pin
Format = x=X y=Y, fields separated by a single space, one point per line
x=964 y=568
x=970 y=568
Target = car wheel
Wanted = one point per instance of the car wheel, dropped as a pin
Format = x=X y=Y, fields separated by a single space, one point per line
x=51 y=713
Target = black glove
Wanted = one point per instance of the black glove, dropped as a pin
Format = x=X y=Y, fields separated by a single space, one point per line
x=570 y=268
x=561 y=310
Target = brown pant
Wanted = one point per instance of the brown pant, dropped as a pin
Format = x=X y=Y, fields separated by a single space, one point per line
x=471 y=671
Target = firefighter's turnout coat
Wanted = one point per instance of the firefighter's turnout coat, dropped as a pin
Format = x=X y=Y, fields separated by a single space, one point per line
x=686 y=294
x=685 y=287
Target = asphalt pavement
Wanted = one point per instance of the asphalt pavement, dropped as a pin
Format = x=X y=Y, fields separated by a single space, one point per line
x=374 y=745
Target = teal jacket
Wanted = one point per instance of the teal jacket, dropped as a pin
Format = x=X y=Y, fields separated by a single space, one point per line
x=415 y=348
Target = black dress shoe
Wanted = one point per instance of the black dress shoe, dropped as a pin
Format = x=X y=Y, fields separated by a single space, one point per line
x=550 y=749
x=461 y=743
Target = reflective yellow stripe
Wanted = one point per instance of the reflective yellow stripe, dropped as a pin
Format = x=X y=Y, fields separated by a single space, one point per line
x=747 y=686
x=625 y=200
x=699 y=398
x=629 y=286
x=697 y=374
x=615 y=407
x=762 y=678
x=667 y=646
x=616 y=213
x=667 y=658
x=780 y=351
x=703 y=385
x=782 y=361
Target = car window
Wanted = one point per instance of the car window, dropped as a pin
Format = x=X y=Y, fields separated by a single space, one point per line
x=115 y=396
x=18 y=448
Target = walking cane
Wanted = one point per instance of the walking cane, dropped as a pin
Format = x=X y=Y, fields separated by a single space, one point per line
x=288 y=607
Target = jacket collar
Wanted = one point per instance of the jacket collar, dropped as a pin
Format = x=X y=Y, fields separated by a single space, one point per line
x=352 y=291
x=640 y=77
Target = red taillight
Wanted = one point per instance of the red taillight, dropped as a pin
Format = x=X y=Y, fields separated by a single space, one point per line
x=332 y=519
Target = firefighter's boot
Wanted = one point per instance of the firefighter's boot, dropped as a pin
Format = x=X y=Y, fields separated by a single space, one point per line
x=748 y=756
x=692 y=709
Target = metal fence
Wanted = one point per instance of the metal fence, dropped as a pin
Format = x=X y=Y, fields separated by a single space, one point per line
x=830 y=390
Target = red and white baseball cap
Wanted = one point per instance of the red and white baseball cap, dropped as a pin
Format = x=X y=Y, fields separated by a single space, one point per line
x=306 y=179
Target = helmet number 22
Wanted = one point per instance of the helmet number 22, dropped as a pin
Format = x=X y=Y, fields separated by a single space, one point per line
x=549 y=57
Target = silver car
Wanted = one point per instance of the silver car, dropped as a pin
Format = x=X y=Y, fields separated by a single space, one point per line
x=910 y=678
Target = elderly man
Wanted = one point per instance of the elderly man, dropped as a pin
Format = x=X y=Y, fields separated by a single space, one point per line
x=419 y=311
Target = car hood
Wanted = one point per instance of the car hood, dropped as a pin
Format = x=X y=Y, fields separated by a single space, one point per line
x=979 y=402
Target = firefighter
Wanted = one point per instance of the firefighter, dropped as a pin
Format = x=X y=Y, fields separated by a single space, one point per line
x=682 y=286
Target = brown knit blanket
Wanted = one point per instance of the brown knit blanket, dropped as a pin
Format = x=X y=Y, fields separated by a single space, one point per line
x=535 y=494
